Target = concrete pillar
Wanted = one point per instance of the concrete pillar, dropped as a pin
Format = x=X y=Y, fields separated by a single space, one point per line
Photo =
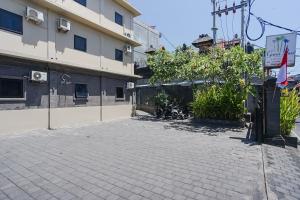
x=272 y=109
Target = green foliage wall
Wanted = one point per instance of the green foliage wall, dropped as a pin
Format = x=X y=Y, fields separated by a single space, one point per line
x=218 y=102
x=289 y=111
x=223 y=71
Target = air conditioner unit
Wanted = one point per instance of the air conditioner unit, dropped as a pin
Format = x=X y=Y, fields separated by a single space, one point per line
x=63 y=25
x=39 y=76
x=34 y=15
x=128 y=49
x=127 y=35
x=130 y=85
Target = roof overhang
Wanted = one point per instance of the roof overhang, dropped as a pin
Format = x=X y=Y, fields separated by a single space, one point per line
x=66 y=64
x=125 y=4
x=68 y=13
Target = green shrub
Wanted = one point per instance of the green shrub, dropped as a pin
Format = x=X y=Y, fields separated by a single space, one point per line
x=289 y=111
x=161 y=99
x=219 y=102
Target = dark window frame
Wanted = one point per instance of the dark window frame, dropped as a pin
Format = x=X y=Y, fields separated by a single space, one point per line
x=119 y=19
x=81 y=97
x=81 y=2
x=21 y=97
x=121 y=97
x=119 y=55
x=19 y=29
x=84 y=49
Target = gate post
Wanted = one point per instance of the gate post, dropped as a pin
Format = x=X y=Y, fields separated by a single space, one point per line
x=272 y=113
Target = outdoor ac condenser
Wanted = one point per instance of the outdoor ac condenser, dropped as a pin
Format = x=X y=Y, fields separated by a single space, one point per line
x=38 y=76
x=130 y=85
x=128 y=49
x=63 y=25
x=34 y=15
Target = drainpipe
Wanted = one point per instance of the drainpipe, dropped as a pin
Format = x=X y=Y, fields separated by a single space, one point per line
x=49 y=76
x=49 y=98
x=101 y=117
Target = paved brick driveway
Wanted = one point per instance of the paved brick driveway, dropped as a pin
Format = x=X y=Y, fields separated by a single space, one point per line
x=282 y=172
x=131 y=159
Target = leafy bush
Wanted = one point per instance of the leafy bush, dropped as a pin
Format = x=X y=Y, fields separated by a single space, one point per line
x=225 y=76
x=289 y=111
x=218 y=102
x=161 y=99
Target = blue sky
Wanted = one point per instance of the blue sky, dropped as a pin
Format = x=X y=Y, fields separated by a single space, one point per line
x=182 y=21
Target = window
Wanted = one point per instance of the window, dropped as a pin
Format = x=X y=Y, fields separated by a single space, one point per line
x=11 y=88
x=11 y=22
x=120 y=93
x=79 y=43
x=119 y=55
x=81 y=91
x=82 y=2
x=119 y=19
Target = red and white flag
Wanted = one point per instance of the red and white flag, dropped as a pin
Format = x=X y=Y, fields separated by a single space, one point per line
x=282 y=79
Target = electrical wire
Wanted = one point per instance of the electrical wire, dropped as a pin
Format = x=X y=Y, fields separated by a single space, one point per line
x=170 y=43
x=221 y=23
x=228 y=38
x=263 y=23
x=232 y=24
x=226 y=22
x=218 y=2
x=263 y=28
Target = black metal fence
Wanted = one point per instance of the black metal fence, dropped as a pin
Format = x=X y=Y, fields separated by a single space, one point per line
x=145 y=96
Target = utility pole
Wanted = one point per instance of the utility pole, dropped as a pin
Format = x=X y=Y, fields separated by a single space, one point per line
x=214 y=28
x=243 y=4
x=226 y=10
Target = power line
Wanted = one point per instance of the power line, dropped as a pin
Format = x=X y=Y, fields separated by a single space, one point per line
x=263 y=23
x=221 y=23
x=227 y=22
x=232 y=24
x=227 y=27
x=170 y=43
x=226 y=10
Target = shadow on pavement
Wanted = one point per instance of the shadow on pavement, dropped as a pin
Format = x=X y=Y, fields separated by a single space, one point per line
x=189 y=125
x=205 y=128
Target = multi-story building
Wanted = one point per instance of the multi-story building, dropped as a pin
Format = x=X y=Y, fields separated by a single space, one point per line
x=65 y=62
x=149 y=38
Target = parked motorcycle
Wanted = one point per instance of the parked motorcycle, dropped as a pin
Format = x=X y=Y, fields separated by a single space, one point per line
x=172 y=111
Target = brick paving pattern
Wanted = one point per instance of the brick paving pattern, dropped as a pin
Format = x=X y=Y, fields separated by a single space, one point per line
x=282 y=172
x=131 y=159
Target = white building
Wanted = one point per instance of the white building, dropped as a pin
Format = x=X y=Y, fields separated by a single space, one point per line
x=64 y=62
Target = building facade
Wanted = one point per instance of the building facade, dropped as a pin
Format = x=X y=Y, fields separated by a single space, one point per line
x=65 y=62
x=149 y=37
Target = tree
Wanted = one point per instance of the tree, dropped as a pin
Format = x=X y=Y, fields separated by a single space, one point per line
x=218 y=65
x=163 y=66
x=226 y=75
x=167 y=66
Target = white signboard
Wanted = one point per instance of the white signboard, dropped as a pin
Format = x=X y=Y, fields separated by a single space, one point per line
x=275 y=48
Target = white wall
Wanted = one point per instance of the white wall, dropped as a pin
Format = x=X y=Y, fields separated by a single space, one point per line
x=43 y=41
x=107 y=60
x=14 y=121
x=65 y=46
x=108 y=10
x=34 y=39
x=22 y=120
